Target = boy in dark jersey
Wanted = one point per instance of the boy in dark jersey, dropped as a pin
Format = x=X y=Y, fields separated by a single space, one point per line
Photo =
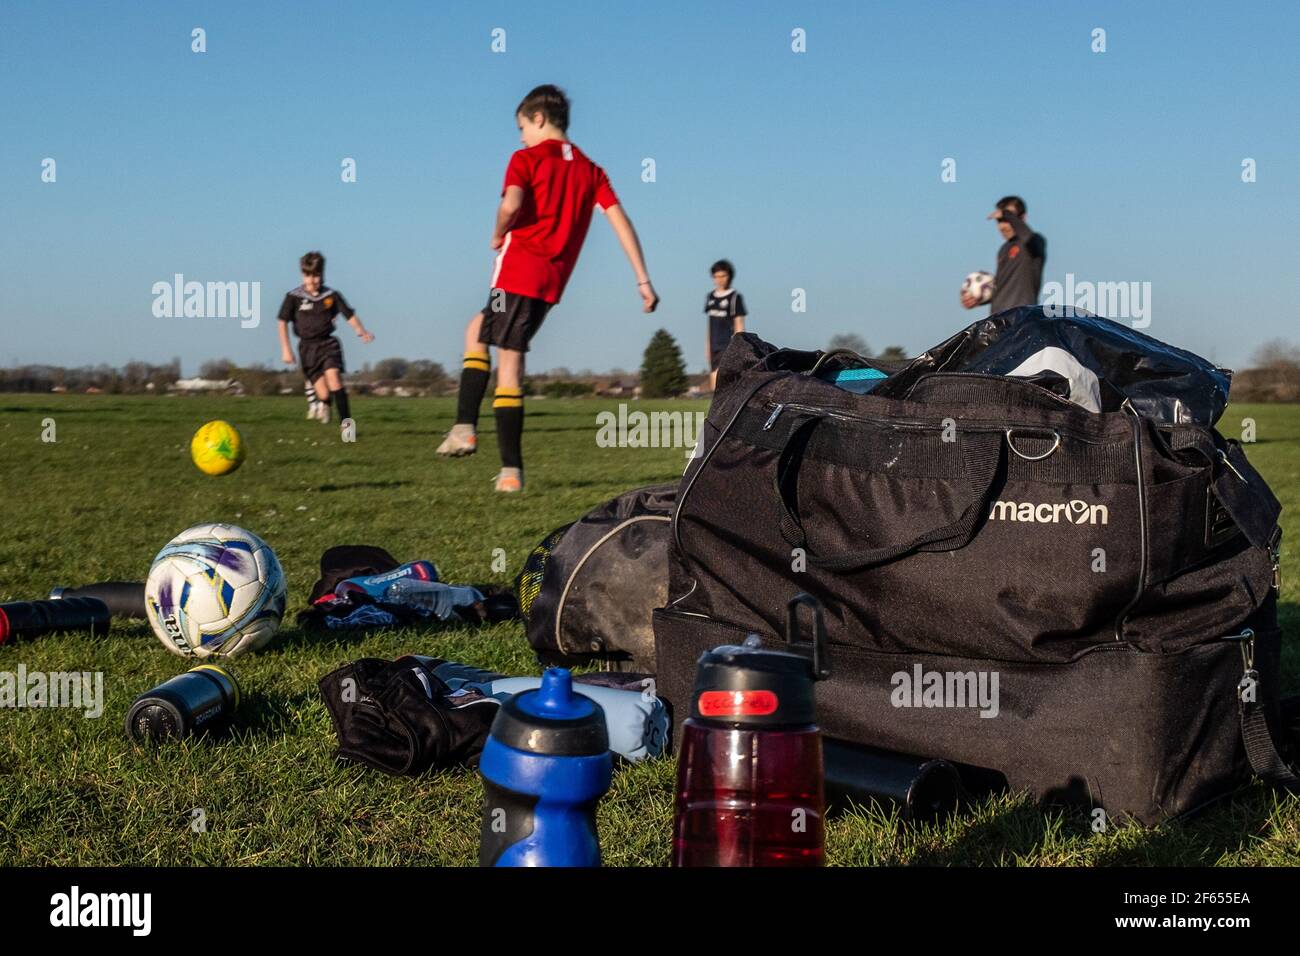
x=550 y=193
x=1020 y=260
x=725 y=308
x=311 y=309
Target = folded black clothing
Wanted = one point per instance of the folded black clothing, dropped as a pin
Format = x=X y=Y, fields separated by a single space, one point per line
x=397 y=716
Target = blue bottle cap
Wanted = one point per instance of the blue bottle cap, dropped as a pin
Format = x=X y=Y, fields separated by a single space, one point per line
x=555 y=699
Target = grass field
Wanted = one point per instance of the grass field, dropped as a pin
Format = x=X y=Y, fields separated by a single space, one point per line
x=98 y=503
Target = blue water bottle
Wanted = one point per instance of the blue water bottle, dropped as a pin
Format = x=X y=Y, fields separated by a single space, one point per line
x=545 y=766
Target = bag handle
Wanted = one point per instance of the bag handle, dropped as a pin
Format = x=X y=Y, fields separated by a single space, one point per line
x=981 y=452
x=836 y=354
x=1262 y=750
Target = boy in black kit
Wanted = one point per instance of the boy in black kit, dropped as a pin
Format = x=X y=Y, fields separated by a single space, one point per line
x=725 y=308
x=311 y=308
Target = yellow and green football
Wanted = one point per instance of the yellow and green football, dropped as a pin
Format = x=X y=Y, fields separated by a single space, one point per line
x=217 y=448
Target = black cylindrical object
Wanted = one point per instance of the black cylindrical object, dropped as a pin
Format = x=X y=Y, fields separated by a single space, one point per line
x=124 y=598
x=33 y=618
x=922 y=788
x=203 y=699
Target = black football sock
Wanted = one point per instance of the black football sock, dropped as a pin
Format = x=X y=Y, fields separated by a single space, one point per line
x=474 y=375
x=508 y=406
x=340 y=396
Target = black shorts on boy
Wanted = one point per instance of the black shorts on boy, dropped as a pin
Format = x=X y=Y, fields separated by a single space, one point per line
x=511 y=320
x=316 y=355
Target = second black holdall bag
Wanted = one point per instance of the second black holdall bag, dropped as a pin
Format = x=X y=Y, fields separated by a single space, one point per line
x=587 y=590
x=1083 y=601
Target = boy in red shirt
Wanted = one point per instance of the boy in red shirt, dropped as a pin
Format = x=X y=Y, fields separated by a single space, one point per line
x=547 y=202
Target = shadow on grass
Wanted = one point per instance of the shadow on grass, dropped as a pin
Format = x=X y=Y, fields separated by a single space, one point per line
x=31 y=410
x=264 y=717
x=294 y=638
x=1201 y=839
x=353 y=485
x=1024 y=830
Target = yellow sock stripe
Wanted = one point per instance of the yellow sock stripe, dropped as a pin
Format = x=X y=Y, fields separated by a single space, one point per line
x=478 y=361
x=508 y=398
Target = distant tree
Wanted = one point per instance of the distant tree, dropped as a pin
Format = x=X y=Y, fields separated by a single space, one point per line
x=216 y=368
x=893 y=353
x=663 y=372
x=106 y=378
x=852 y=341
x=391 y=368
x=164 y=375
x=135 y=374
x=259 y=379
x=562 y=388
x=1274 y=377
x=427 y=374
x=1276 y=353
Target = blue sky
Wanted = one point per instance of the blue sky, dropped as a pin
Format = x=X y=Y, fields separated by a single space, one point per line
x=818 y=171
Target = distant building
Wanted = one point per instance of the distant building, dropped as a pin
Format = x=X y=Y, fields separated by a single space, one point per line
x=198 y=386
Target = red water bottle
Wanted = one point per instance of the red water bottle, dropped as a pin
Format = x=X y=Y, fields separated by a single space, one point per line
x=749 y=772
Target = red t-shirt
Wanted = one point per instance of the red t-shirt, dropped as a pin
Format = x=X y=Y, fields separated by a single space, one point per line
x=561 y=187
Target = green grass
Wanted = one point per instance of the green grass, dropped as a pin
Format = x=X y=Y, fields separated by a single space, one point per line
x=99 y=503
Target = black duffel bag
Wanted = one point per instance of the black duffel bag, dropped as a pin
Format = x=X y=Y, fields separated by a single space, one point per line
x=1084 y=602
x=588 y=589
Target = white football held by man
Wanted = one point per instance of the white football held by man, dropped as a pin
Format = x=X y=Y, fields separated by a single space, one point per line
x=978 y=286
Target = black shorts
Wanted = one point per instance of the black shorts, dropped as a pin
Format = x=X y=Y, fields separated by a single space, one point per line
x=316 y=355
x=717 y=348
x=510 y=321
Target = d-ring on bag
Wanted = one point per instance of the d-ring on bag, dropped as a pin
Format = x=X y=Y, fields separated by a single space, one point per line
x=1084 y=602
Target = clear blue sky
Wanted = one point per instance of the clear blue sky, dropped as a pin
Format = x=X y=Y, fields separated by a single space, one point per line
x=818 y=170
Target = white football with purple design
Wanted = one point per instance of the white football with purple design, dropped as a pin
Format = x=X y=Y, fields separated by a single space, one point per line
x=215 y=590
x=979 y=286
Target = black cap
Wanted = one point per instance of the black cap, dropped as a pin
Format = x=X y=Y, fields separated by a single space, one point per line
x=778 y=686
x=554 y=720
x=157 y=716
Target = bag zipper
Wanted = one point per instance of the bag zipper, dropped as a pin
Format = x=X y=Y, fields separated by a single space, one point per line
x=779 y=407
x=980 y=424
x=1246 y=637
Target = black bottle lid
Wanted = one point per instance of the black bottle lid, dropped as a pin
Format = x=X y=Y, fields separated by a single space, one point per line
x=553 y=720
x=748 y=685
x=157 y=716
